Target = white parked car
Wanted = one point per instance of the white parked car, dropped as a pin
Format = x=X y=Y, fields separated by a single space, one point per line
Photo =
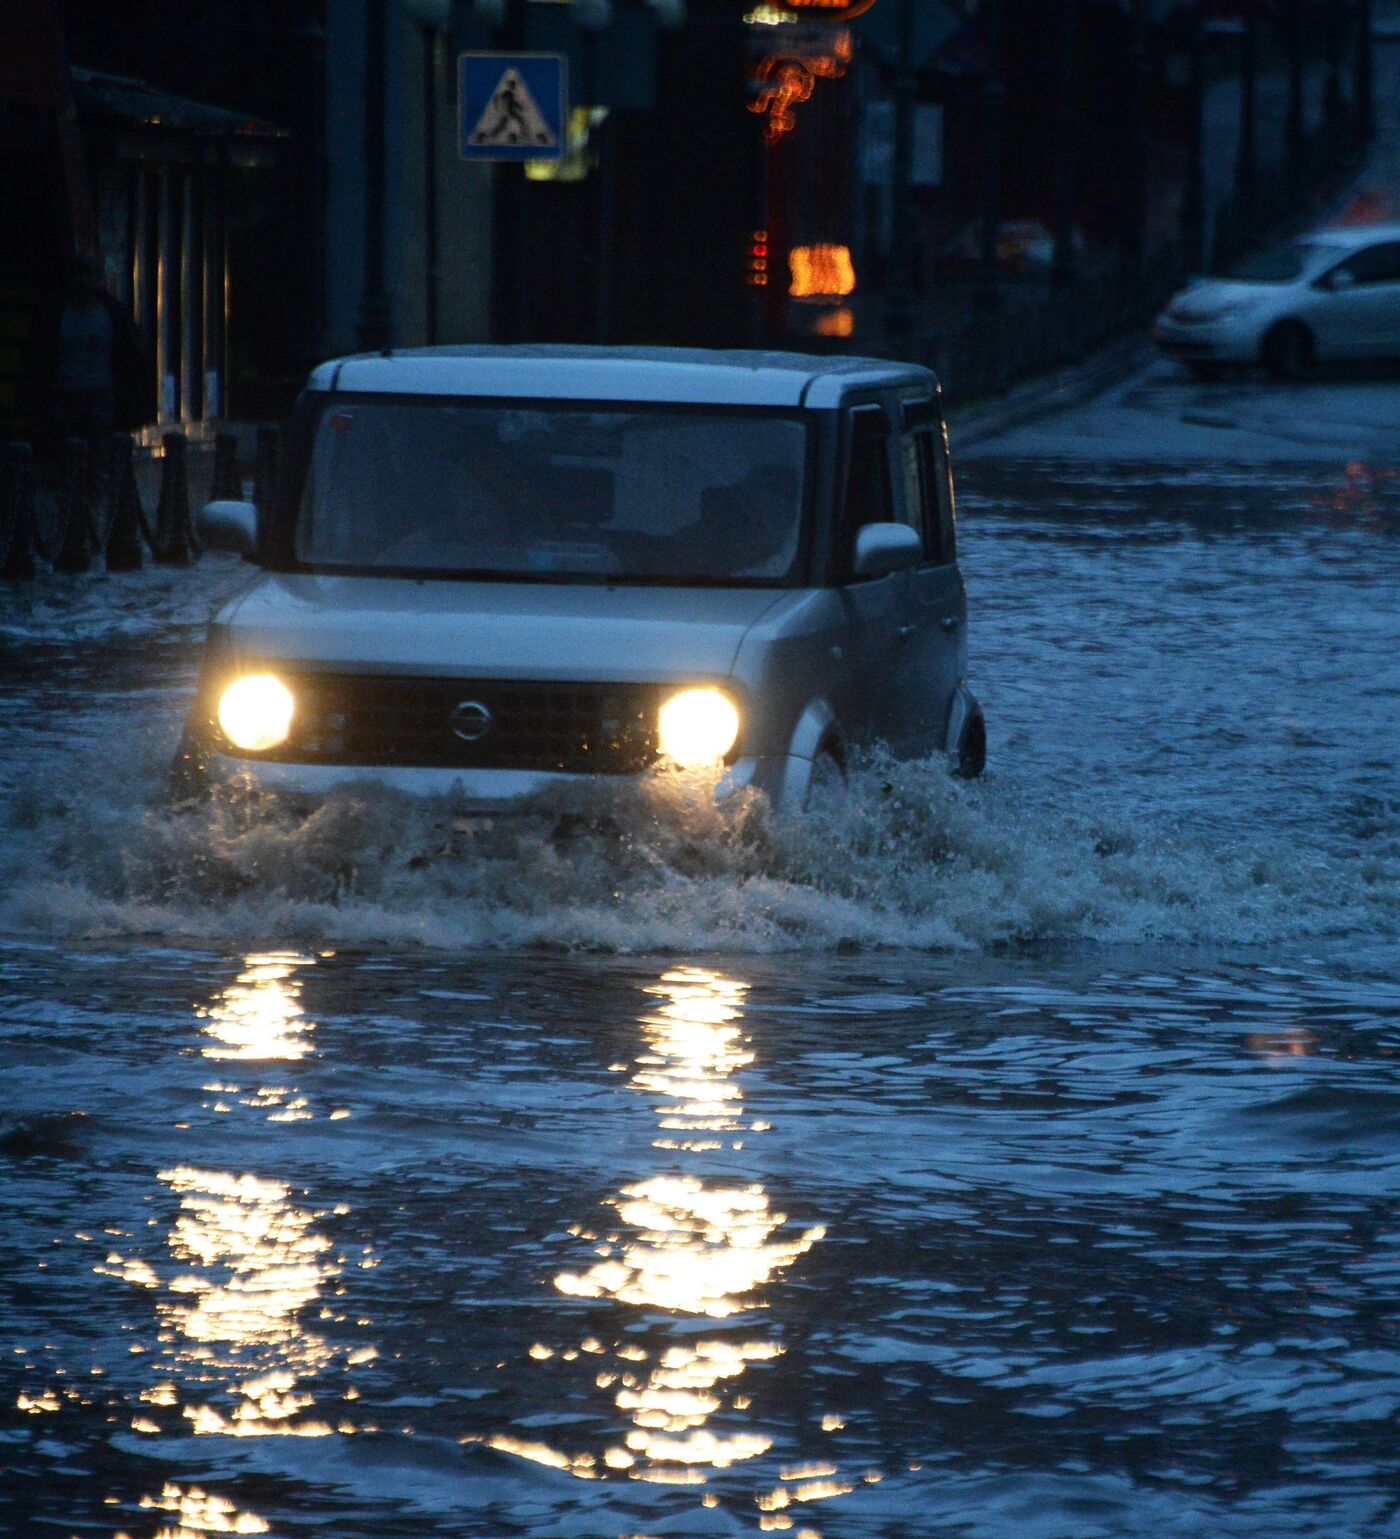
x=1333 y=296
x=491 y=568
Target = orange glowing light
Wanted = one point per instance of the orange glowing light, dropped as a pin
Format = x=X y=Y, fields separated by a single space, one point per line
x=783 y=81
x=835 y=10
x=840 y=322
x=821 y=272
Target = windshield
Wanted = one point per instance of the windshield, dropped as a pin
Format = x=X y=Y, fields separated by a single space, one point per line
x=532 y=490
x=1282 y=265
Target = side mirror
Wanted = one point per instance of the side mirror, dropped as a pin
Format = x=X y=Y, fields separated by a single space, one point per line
x=1339 y=278
x=230 y=526
x=885 y=548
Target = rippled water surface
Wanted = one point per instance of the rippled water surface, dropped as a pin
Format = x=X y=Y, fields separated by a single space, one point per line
x=994 y=1160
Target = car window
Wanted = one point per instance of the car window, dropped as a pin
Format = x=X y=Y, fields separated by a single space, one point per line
x=1281 y=264
x=869 y=495
x=544 y=490
x=914 y=462
x=928 y=485
x=1376 y=264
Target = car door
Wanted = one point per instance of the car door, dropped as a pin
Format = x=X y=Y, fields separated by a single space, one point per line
x=875 y=608
x=1359 y=316
x=931 y=654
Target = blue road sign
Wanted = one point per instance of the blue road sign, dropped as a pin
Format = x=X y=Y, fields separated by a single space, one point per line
x=511 y=106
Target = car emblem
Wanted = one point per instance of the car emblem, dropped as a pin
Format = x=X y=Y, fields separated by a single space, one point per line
x=471 y=721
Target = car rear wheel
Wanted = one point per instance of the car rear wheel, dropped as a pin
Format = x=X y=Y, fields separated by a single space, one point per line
x=1287 y=351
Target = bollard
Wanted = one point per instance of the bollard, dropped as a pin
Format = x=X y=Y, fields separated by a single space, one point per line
x=266 y=465
x=225 y=484
x=17 y=513
x=7 y=512
x=19 y=498
x=74 y=553
x=173 y=544
x=124 y=548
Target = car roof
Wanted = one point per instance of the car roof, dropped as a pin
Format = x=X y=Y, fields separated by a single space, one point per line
x=680 y=375
x=1352 y=235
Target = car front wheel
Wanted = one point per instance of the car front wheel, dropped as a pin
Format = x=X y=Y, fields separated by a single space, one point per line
x=970 y=758
x=826 y=786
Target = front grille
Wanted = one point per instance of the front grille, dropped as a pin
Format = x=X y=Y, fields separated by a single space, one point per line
x=378 y=719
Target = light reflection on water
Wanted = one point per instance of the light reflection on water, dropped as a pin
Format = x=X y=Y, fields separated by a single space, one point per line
x=1277 y=1046
x=236 y=1357
x=1094 y=1216
x=255 y=1263
x=199 y=1512
x=680 y=1245
x=259 y=1017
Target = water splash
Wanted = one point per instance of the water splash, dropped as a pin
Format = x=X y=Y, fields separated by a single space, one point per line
x=911 y=858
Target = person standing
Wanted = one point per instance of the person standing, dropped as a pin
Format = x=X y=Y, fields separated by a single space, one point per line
x=100 y=378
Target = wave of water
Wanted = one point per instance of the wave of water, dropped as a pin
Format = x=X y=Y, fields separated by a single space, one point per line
x=911 y=858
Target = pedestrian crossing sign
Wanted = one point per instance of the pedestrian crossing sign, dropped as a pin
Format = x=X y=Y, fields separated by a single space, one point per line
x=511 y=106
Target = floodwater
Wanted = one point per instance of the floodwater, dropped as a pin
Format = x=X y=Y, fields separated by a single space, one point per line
x=1014 y=1159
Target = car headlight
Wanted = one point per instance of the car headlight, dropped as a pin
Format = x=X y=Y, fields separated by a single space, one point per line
x=255 y=712
x=697 y=727
x=1205 y=314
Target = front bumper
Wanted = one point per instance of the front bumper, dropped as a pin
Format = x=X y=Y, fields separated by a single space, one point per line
x=197 y=771
x=1227 y=341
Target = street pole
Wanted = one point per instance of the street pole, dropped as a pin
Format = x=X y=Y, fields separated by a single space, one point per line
x=1364 y=89
x=1293 y=136
x=1246 y=164
x=607 y=228
x=1062 y=260
x=987 y=296
x=1332 y=109
x=1135 y=203
x=428 y=44
x=1193 y=194
x=899 y=297
x=374 y=300
x=591 y=22
x=514 y=41
x=304 y=185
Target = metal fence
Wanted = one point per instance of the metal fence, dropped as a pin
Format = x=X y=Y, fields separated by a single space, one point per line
x=85 y=506
x=1032 y=332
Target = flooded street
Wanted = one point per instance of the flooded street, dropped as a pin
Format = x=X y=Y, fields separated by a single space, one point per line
x=1013 y=1158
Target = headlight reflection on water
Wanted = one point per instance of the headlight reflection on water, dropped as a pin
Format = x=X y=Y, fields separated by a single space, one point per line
x=689 y=1247
x=254 y=1263
x=260 y=1016
x=246 y=1262
x=694 y=1249
x=198 y=1512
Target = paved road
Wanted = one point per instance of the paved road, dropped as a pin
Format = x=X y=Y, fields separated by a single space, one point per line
x=992 y=1161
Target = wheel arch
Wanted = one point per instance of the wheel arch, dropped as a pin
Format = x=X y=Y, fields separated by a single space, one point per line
x=1281 y=326
x=965 y=721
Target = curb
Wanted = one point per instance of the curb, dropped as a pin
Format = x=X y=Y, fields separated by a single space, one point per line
x=1042 y=397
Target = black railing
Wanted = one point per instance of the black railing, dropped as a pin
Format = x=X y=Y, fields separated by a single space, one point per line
x=68 y=511
x=1031 y=332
